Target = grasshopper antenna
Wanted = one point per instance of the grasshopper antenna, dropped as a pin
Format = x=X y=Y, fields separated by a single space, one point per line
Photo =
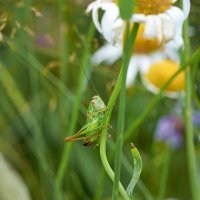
x=91 y=83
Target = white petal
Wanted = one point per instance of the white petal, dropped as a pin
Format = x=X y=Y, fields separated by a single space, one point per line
x=171 y=53
x=90 y=7
x=110 y=16
x=186 y=8
x=118 y=30
x=132 y=72
x=149 y=30
x=139 y=18
x=95 y=16
x=153 y=25
x=145 y=61
x=167 y=26
x=95 y=6
x=153 y=28
x=118 y=24
x=108 y=54
x=177 y=18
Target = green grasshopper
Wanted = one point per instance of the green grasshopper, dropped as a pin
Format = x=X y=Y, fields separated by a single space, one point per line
x=94 y=124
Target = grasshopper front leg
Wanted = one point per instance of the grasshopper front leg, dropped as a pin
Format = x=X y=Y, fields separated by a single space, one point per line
x=92 y=127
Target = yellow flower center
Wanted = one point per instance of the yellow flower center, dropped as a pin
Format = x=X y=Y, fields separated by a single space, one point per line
x=144 y=45
x=160 y=72
x=149 y=7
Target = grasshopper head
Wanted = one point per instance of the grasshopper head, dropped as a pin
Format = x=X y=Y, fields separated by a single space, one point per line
x=96 y=99
x=97 y=103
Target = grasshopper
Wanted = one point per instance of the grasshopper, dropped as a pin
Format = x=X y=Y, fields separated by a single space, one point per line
x=90 y=132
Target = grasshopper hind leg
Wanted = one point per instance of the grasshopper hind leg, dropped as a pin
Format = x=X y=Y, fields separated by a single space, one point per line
x=88 y=141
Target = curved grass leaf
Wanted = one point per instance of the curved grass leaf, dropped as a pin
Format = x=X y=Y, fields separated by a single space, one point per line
x=137 y=170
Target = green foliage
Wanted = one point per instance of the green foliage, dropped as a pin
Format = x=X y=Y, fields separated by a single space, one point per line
x=126 y=8
x=44 y=99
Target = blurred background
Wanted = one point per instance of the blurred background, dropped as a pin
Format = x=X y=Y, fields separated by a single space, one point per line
x=44 y=46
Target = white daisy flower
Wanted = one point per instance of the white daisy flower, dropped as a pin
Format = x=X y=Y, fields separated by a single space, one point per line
x=162 y=20
x=154 y=68
x=110 y=19
x=159 y=73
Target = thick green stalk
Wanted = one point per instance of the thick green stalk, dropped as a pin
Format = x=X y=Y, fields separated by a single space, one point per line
x=190 y=149
x=108 y=112
x=129 y=132
x=107 y=167
x=129 y=43
x=75 y=113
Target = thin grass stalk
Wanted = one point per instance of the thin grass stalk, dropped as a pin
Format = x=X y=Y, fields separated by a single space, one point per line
x=34 y=62
x=194 y=92
x=189 y=133
x=45 y=175
x=190 y=149
x=128 y=49
x=29 y=119
x=108 y=113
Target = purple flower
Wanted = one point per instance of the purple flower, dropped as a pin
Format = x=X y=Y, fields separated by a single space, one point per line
x=170 y=129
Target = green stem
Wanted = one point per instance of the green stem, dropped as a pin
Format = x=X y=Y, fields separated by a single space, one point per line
x=163 y=181
x=108 y=112
x=156 y=99
x=190 y=149
x=129 y=43
x=108 y=169
x=75 y=113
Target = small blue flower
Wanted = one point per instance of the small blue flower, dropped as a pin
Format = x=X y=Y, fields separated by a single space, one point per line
x=170 y=129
